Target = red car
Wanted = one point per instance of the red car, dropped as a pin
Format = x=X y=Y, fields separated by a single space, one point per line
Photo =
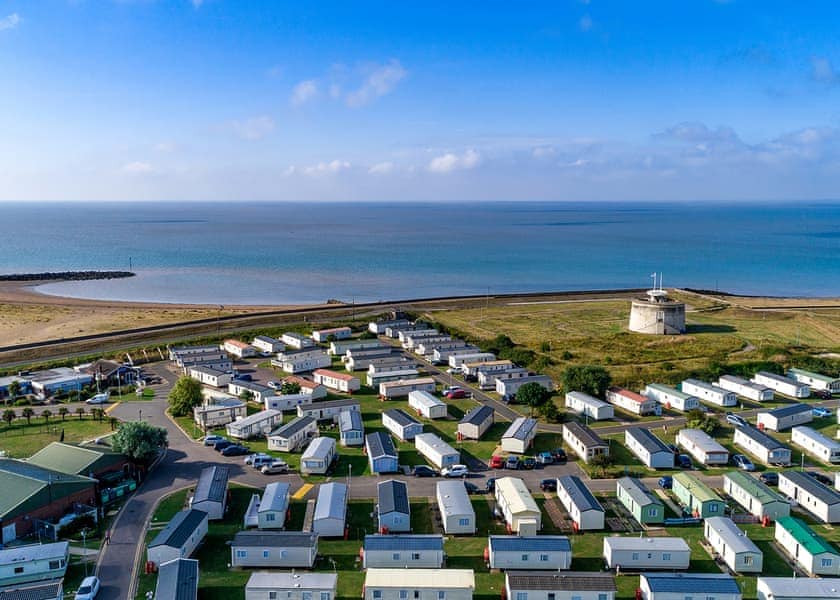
x=456 y=394
x=497 y=462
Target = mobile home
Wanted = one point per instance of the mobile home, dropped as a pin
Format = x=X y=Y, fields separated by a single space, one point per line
x=403 y=551
x=764 y=447
x=754 y=496
x=427 y=404
x=330 y=515
x=318 y=456
x=210 y=376
x=680 y=586
x=274 y=549
x=520 y=435
x=811 y=552
x=273 y=506
x=797 y=588
x=646 y=553
x=456 y=360
x=341 y=382
x=334 y=333
x=456 y=510
x=821 y=501
x=403 y=387
x=738 y=551
x=177 y=580
x=419 y=584
x=585 y=510
x=436 y=451
x=710 y=393
x=568 y=585
x=179 y=538
x=33 y=562
x=255 y=425
x=507 y=388
x=476 y=422
x=645 y=507
x=283 y=402
x=351 y=428
x=290 y=585
x=221 y=412
x=783 y=385
x=521 y=513
x=392 y=508
x=487 y=379
x=815 y=381
x=296 y=340
x=671 y=398
x=648 y=448
x=746 y=388
x=518 y=552
x=210 y=493
x=589 y=406
x=268 y=344
x=702 y=447
x=401 y=424
x=631 y=401
x=328 y=410
x=238 y=349
x=584 y=441
x=382 y=456
x=293 y=435
x=816 y=444
x=698 y=499
x=785 y=417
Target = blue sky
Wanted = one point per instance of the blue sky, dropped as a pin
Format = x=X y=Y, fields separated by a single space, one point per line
x=565 y=100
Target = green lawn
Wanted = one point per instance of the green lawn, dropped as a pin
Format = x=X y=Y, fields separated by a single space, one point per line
x=21 y=440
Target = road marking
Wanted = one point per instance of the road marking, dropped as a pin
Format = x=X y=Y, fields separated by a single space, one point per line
x=112 y=407
x=304 y=489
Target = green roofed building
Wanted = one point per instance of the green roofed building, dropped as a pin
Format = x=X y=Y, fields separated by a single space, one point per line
x=816 y=381
x=811 y=552
x=698 y=498
x=78 y=459
x=756 y=498
x=31 y=492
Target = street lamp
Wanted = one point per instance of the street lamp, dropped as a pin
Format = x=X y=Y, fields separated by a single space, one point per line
x=139 y=414
x=84 y=550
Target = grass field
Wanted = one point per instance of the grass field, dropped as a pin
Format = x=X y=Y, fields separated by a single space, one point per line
x=20 y=440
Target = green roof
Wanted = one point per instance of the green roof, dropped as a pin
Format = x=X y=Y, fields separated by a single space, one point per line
x=805 y=536
x=27 y=487
x=697 y=488
x=670 y=390
x=75 y=459
x=812 y=375
x=754 y=487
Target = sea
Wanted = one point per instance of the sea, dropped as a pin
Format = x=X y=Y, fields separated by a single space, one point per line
x=280 y=253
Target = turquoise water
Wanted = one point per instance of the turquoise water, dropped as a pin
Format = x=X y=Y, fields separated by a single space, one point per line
x=260 y=253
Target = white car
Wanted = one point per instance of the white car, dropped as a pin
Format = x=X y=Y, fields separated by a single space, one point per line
x=98 y=399
x=274 y=385
x=88 y=589
x=455 y=471
x=274 y=468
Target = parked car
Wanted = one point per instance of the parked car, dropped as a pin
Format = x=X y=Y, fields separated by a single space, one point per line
x=822 y=394
x=666 y=482
x=210 y=440
x=235 y=450
x=243 y=376
x=548 y=485
x=490 y=485
x=424 y=471
x=529 y=463
x=742 y=462
x=452 y=371
x=455 y=471
x=820 y=477
x=560 y=456
x=545 y=458
x=684 y=462
x=88 y=589
x=221 y=445
x=769 y=478
x=473 y=488
x=274 y=468
x=451 y=388
x=261 y=461
x=512 y=462
x=456 y=394
x=274 y=385
x=251 y=458
x=98 y=399
x=820 y=412
x=497 y=462
x=736 y=420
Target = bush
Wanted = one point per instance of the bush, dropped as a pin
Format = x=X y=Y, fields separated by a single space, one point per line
x=587 y=379
x=74 y=527
x=22 y=402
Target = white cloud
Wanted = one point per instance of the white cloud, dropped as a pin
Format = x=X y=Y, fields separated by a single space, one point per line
x=382 y=168
x=380 y=81
x=543 y=152
x=585 y=23
x=446 y=163
x=303 y=92
x=10 y=22
x=322 y=168
x=254 y=128
x=137 y=168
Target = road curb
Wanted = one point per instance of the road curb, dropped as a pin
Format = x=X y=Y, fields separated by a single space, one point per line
x=181 y=429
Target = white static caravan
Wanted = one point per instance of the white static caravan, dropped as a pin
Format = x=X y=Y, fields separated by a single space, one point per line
x=296 y=340
x=307 y=386
x=585 y=510
x=274 y=549
x=765 y=447
x=783 y=385
x=379 y=327
x=702 y=447
x=358 y=360
x=456 y=510
x=256 y=425
x=476 y=422
x=238 y=349
x=210 y=493
x=816 y=444
x=290 y=585
x=342 y=346
x=209 y=376
x=589 y=406
x=785 y=417
x=756 y=498
x=671 y=398
x=521 y=513
x=632 y=402
x=412 y=339
x=821 y=501
x=273 y=506
x=328 y=410
x=441 y=356
x=487 y=379
x=427 y=347
x=33 y=562
x=257 y=391
x=403 y=551
x=335 y=333
x=456 y=360
x=816 y=381
x=471 y=369
x=708 y=392
x=283 y=402
x=351 y=428
x=545 y=552
x=648 y=448
x=292 y=435
x=401 y=424
x=393 y=510
x=379 y=373
x=179 y=538
x=381 y=453
x=403 y=387
x=303 y=362
x=221 y=412
x=566 y=585
x=330 y=515
x=424 y=345
x=746 y=388
x=738 y=551
x=427 y=404
x=419 y=584
x=811 y=552
x=177 y=580
x=520 y=435
x=507 y=388
x=584 y=441
x=436 y=451
x=680 y=586
x=267 y=344
x=318 y=456
x=797 y=588
x=646 y=553
x=341 y=382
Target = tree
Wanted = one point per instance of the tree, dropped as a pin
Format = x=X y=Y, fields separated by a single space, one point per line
x=550 y=412
x=532 y=394
x=184 y=397
x=246 y=395
x=81 y=412
x=697 y=419
x=9 y=416
x=97 y=413
x=63 y=411
x=14 y=389
x=27 y=413
x=587 y=379
x=139 y=441
x=46 y=414
x=290 y=387
x=601 y=461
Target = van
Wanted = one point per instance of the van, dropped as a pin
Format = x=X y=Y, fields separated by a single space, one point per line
x=260 y=461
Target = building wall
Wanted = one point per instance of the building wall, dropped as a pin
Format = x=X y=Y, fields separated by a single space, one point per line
x=645 y=558
x=214 y=510
x=276 y=557
x=820 y=564
x=403 y=559
x=264 y=593
x=395 y=522
x=393 y=593
x=827 y=513
x=773 y=510
x=530 y=560
x=24 y=523
x=514 y=594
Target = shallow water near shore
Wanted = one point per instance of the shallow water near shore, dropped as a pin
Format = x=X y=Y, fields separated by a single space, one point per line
x=264 y=253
